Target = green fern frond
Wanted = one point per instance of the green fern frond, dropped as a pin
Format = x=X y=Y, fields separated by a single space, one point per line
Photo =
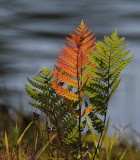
x=97 y=123
x=93 y=71
x=100 y=57
x=35 y=84
x=39 y=79
x=33 y=93
x=41 y=107
x=120 y=66
x=45 y=71
x=97 y=85
x=103 y=49
x=118 y=58
x=50 y=76
x=118 y=52
x=110 y=59
x=114 y=88
x=53 y=105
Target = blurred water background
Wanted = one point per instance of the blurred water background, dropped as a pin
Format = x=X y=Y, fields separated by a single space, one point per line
x=33 y=31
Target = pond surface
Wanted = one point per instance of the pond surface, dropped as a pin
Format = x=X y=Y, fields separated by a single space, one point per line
x=32 y=33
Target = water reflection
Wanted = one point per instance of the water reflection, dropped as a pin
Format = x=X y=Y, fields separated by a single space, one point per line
x=33 y=32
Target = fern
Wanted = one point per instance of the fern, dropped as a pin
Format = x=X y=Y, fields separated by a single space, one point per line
x=72 y=139
x=110 y=59
x=70 y=69
x=71 y=66
x=46 y=99
x=80 y=70
x=56 y=110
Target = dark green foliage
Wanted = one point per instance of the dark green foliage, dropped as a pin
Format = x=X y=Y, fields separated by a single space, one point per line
x=42 y=92
x=109 y=59
x=71 y=140
x=57 y=112
x=46 y=98
x=97 y=123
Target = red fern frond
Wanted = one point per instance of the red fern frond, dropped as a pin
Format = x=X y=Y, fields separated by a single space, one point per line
x=87 y=34
x=86 y=61
x=74 y=36
x=72 y=64
x=71 y=108
x=69 y=53
x=64 y=92
x=69 y=61
x=88 y=38
x=57 y=68
x=65 y=79
x=88 y=44
x=82 y=27
x=87 y=111
x=71 y=47
x=72 y=40
x=69 y=70
x=76 y=31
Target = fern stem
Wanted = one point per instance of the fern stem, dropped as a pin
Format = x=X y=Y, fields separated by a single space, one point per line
x=80 y=147
x=50 y=145
x=78 y=79
x=106 y=106
x=58 y=131
x=98 y=145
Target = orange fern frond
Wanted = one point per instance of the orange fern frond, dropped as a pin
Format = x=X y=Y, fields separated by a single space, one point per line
x=57 y=68
x=69 y=70
x=88 y=45
x=76 y=31
x=86 y=61
x=84 y=73
x=65 y=79
x=72 y=40
x=64 y=92
x=69 y=53
x=87 y=34
x=84 y=84
x=91 y=48
x=73 y=64
x=74 y=36
x=87 y=111
x=82 y=27
x=88 y=38
x=71 y=47
x=71 y=108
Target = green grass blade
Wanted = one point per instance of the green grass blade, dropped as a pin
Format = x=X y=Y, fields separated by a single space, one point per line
x=123 y=155
x=91 y=130
x=36 y=141
x=130 y=152
x=16 y=127
x=107 y=147
x=90 y=156
x=103 y=137
x=112 y=142
x=7 y=146
x=20 y=138
x=39 y=154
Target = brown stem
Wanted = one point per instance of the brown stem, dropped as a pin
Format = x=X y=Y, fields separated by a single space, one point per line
x=80 y=146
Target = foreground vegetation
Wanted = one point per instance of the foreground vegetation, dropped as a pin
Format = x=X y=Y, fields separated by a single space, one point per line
x=75 y=94
x=37 y=143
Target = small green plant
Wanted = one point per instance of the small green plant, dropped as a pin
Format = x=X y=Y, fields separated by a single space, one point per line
x=85 y=69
